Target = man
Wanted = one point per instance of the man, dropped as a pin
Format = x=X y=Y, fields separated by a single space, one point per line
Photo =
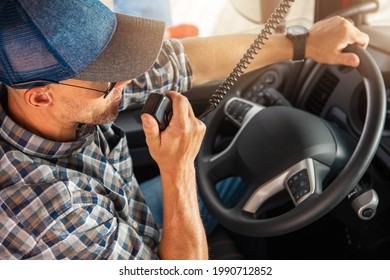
x=67 y=190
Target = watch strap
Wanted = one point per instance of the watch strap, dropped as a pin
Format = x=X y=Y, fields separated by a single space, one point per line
x=297 y=34
x=299 y=46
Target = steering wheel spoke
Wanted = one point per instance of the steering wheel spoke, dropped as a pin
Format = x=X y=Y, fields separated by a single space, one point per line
x=221 y=165
x=300 y=181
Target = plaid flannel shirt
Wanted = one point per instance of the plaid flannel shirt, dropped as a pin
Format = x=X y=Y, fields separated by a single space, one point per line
x=80 y=200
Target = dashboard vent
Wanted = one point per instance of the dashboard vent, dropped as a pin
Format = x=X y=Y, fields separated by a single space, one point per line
x=321 y=92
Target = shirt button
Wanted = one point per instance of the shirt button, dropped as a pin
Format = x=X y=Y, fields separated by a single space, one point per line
x=135 y=225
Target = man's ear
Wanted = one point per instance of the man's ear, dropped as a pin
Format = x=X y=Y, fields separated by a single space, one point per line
x=38 y=97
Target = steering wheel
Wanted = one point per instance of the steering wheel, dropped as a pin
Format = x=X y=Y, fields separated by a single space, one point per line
x=285 y=150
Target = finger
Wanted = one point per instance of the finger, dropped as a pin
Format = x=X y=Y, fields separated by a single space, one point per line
x=150 y=127
x=191 y=113
x=179 y=106
x=362 y=39
x=357 y=36
x=184 y=105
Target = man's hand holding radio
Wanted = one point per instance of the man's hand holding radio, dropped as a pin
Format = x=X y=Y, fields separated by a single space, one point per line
x=174 y=150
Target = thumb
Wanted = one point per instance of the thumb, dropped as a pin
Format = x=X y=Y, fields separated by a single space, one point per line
x=151 y=130
x=349 y=59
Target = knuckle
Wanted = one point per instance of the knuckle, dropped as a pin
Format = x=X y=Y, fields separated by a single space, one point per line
x=201 y=127
x=183 y=99
x=345 y=23
x=183 y=128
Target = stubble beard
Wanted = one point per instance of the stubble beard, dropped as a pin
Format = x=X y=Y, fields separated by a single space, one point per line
x=106 y=116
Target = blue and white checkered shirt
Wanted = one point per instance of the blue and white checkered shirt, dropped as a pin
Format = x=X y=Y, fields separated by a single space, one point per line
x=80 y=200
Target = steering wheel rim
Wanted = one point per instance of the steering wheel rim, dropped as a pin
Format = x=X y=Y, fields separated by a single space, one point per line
x=315 y=206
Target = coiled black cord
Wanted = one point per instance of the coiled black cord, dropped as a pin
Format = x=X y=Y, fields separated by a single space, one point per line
x=269 y=28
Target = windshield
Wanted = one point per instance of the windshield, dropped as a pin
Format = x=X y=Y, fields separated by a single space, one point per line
x=222 y=16
x=382 y=16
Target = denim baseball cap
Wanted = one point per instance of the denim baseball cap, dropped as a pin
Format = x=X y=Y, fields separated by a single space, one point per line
x=81 y=39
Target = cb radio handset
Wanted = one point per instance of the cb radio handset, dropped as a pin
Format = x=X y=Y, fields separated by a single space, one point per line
x=160 y=107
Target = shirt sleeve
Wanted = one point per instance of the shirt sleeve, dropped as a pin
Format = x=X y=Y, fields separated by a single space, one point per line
x=170 y=72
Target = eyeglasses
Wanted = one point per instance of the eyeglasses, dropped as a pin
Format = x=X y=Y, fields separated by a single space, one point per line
x=111 y=86
x=24 y=85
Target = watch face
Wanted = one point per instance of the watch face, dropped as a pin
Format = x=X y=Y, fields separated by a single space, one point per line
x=297 y=30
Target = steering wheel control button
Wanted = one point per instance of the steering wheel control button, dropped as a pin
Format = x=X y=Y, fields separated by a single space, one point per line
x=368 y=213
x=270 y=78
x=258 y=87
x=299 y=185
x=237 y=110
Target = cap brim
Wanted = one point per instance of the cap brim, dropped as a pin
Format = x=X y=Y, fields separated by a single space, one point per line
x=131 y=51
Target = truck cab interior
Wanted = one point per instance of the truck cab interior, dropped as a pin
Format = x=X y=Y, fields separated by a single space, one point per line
x=311 y=141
